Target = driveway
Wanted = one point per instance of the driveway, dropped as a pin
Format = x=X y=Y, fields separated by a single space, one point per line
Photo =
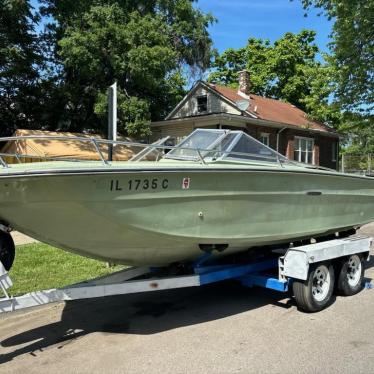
x=221 y=328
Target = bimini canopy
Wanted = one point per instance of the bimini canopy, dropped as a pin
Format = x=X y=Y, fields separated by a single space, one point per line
x=223 y=144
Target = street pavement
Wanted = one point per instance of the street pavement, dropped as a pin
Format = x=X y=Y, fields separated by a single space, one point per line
x=221 y=328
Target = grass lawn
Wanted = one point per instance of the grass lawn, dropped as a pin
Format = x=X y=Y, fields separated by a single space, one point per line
x=39 y=266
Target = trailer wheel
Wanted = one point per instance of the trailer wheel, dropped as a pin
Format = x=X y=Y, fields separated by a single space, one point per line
x=7 y=250
x=315 y=293
x=351 y=274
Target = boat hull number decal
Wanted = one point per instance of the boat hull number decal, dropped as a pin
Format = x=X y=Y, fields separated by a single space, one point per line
x=139 y=184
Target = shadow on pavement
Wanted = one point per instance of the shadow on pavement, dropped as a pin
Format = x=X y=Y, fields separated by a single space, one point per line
x=148 y=313
x=145 y=313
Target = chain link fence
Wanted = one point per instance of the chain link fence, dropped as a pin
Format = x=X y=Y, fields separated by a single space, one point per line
x=357 y=164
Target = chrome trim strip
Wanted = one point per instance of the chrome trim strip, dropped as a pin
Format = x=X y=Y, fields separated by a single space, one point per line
x=108 y=170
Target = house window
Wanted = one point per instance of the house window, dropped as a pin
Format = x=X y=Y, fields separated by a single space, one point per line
x=173 y=141
x=202 y=104
x=264 y=138
x=303 y=150
x=334 y=151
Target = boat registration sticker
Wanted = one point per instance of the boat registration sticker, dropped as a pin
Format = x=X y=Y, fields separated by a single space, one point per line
x=186 y=183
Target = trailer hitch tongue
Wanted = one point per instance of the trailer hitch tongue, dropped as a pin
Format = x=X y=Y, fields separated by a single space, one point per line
x=5 y=281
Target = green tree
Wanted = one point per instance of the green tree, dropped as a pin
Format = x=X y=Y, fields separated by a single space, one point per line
x=19 y=61
x=361 y=139
x=143 y=45
x=287 y=70
x=352 y=50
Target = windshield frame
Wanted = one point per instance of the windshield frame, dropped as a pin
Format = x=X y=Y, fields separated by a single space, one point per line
x=202 y=154
x=198 y=151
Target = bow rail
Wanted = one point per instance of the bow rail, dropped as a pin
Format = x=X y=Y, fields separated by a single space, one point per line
x=159 y=147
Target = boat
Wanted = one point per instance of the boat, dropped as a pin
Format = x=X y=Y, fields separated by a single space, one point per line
x=217 y=191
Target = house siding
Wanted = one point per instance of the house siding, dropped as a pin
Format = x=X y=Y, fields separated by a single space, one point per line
x=326 y=152
x=175 y=131
x=214 y=105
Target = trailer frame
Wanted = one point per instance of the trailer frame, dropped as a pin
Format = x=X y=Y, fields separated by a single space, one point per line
x=277 y=272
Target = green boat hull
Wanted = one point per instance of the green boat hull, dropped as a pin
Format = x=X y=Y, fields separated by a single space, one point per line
x=159 y=213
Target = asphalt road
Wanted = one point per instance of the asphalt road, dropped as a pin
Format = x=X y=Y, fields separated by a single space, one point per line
x=222 y=328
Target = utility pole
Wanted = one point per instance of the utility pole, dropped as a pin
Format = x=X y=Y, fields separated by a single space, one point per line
x=112 y=117
x=369 y=164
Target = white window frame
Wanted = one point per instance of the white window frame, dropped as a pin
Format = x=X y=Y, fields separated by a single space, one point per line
x=305 y=150
x=265 y=135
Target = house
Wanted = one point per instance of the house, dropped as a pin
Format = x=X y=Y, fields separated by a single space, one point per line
x=280 y=125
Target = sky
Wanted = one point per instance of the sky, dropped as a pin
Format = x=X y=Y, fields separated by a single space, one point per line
x=268 y=19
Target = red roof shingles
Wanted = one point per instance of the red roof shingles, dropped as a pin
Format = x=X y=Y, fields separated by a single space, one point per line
x=273 y=110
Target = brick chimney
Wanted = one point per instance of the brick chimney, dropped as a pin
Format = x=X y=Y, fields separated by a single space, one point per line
x=244 y=82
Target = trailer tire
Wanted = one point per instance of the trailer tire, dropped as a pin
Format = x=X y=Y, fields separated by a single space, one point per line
x=7 y=250
x=315 y=293
x=350 y=275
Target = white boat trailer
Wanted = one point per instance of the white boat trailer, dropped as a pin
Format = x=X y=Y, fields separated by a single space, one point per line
x=309 y=270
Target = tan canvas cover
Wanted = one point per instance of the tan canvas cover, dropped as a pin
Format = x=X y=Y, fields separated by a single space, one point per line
x=50 y=148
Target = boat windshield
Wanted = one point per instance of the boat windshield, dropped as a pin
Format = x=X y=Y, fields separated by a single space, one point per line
x=223 y=144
